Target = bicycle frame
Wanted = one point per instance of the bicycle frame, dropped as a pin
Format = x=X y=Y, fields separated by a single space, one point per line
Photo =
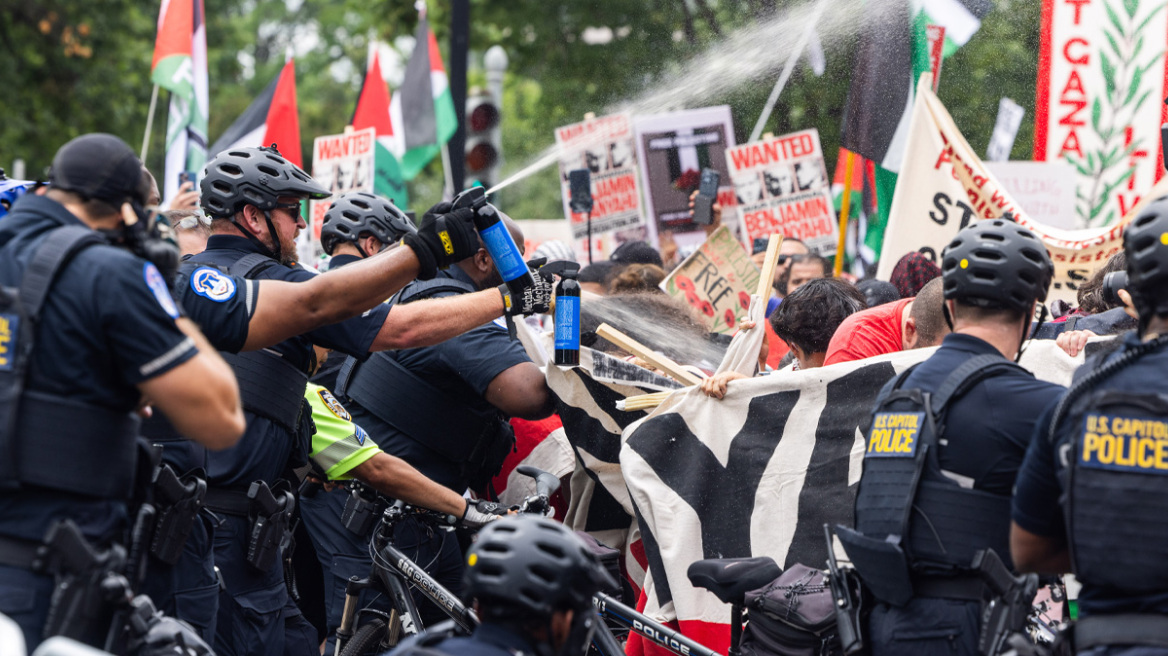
x=609 y=608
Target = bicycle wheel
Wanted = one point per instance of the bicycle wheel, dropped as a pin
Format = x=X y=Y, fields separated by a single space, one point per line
x=367 y=639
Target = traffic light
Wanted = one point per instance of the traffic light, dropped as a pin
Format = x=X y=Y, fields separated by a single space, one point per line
x=483 y=145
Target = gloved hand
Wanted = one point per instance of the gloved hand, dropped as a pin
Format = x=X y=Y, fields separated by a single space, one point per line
x=446 y=236
x=535 y=298
x=480 y=513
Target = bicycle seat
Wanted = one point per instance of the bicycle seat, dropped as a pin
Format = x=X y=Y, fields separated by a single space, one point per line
x=731 y=578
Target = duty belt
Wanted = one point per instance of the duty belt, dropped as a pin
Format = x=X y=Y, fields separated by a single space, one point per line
x=24 y=554
x=968 y=587
x=1131 y=629
x=228 y=501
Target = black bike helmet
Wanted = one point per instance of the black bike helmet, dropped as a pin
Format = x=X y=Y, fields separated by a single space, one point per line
x=996 y=263
x=531 y=564
x=1145 y=243
x=252 y=176
x=357 y=213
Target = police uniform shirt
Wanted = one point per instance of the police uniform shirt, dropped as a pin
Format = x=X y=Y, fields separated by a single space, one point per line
x=265 y=448
x=339 y=445
x=988 y=429
x=326 y=376
x=1036 y=506
x=107 y=324
x=463 y=367
x=221 y=304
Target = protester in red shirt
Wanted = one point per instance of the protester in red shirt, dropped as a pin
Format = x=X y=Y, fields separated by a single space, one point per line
x=906 y=324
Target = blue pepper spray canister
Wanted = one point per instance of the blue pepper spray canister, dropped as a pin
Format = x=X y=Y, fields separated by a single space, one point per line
x=497 y=239
x=567 y=342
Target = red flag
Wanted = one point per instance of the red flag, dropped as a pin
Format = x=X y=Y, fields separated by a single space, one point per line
x=373 y=103
x=283 y=124
x=175 y=25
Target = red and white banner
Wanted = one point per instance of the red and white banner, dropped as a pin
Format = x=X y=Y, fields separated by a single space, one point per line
x=605 y=147
x=1101 y=77
x=782 y=187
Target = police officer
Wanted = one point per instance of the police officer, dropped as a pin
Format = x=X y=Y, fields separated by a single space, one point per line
x=73 y=371
x=944 y=447
x=253 y=196
x=1092 y=497
x=444 y=408
x=532 y=582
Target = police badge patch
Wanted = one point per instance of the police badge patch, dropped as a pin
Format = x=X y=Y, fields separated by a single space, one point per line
x=158 y=287
x=212 y=284
x=334 y=405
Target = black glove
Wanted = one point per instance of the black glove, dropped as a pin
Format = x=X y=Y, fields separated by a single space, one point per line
x=446 y=236
x=535 y=298
x=480 y=513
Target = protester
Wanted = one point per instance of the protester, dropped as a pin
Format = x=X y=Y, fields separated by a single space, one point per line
x=912 y=272
x=554 y=250
x=595 y=278
x=906 y=324
x=943 y=450
x=805 y=321
x=1095 y=316
x=108 y=337
x=1101 y=511
x=878 y=292
x=638 y=278
x=532 y=582
x=801 y=270
x=635 y=252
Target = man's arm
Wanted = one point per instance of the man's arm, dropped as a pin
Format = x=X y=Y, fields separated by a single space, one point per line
x=394 y=477
x=1035 y=553
x=199 y=396
x=435 y=320
x=521 y=391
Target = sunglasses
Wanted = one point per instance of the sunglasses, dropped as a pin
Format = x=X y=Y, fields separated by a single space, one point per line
x=797 y=257
x=293 y=209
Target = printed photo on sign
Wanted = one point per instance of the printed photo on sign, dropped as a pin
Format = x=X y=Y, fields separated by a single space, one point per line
x=342 y=163
x=793 y=199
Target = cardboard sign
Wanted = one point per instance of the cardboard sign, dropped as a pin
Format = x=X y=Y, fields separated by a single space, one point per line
x=1045 y=190
x=716 y=280
x=782 y=186
x=341 y=163
x=943 y=186
x=605 y=147
x=673 y=149
x=1101 y=77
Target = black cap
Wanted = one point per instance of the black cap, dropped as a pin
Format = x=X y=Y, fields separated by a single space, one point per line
x=99 y=166
x=636 y=252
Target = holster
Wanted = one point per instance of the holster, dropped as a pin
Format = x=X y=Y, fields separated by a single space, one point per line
x=361 y=511
x=178 y=502
x=1012 y=602
x=270 y=513
x=80 y=608
x=882 y=564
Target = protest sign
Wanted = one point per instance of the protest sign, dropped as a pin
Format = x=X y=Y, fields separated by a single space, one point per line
x=1101 y=76
x=605 y=147
x=943 y=186
x=341 y=163
x=782 y=186
x=672 y=150
x=716 y=280
x=1045 y=190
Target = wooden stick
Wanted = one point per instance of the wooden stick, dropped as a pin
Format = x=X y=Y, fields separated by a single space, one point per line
x=642 y=401
x=767 y=281
x=845 y=209
x=638 y=349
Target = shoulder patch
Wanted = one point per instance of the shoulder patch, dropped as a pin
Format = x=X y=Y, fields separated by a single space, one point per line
x=333 y=405
x=158 y=286
x=212 y=284
x=360 y=434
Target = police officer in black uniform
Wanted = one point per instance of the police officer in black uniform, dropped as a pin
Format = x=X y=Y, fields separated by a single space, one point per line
x=253 y=196
x=944 y=447
x=532 y=582
x=1092 y=494
x=444 y=408
x=87 y=331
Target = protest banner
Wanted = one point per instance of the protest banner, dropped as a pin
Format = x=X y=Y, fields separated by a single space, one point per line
x=1045 y=190
x=605 y=147
x=782 y=186
x=672 y=150
x=1101 y=76
x=716 y=281
x=341 y=163
x=943 y=186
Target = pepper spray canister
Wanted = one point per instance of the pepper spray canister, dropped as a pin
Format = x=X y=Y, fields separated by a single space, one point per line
x=498 y=240
x=568 y=319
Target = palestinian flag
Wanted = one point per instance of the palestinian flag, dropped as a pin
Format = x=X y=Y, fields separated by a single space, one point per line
x=180 y=67
x=422 y=110
x=859 y=258
x=373 y=112
x=272 y=118
x=892 y=54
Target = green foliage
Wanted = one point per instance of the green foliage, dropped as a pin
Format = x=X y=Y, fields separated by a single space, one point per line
x=56 y=91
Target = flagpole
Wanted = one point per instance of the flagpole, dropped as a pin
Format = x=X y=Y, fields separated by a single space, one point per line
x=845 y=209
x=446 y=170
x=800 y=46
x=149 y=123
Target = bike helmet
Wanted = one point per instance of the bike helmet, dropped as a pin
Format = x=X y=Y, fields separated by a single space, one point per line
x=531 y=564
x=10 y=190
x=1145 y=243
x=358 y=213
x=252 y=176
x=996 y=263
